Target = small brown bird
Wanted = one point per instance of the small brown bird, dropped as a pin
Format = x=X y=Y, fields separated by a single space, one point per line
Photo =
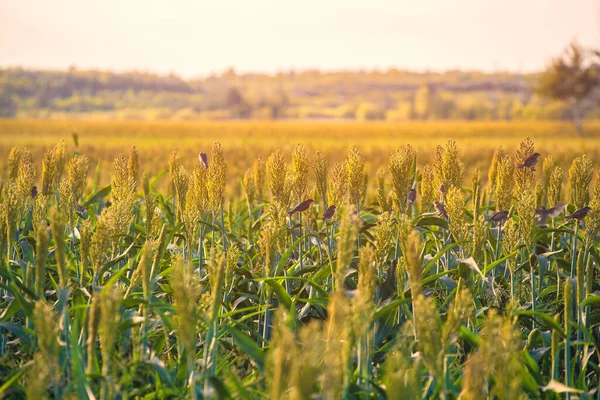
x=579 y=214
x=203 y=159
x=34 y=192
x=411 y=197
x=543 y=213
x=329 y=213
x=498 y=216
x=440 y=209
x=301 y=207
x=530 y=161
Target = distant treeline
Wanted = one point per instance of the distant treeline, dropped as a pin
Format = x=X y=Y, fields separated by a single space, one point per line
x=392 y=95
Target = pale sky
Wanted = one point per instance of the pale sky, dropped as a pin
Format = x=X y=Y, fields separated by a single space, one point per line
x=196 y=38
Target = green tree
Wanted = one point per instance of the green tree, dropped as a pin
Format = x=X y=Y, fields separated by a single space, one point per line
x=571 y=78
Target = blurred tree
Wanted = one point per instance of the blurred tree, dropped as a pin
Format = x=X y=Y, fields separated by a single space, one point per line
x=421 y=102
x=233 y=98
x=369 y=112
x=571 y=78
x=8 y=107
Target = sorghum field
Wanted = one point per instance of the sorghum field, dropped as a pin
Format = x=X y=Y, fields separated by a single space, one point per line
x=459 y=270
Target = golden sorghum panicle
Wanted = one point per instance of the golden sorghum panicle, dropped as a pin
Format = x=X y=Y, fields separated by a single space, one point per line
x=233 y=257
x=277 y=178
x=299 y=173
x=493 y=171
x=524 y=177
x=100 y=240
x=356 y=176
x=404 y=229
x=337 y=185
x=57 y=223
x=320 y=168
x=258 y=171
x=542 y=187
x=217 y=178
x=249 y=188
x=429 y=334
x=196 y=203
x=428 y=189
x=40 y=209
x=480 y=230
x=366 y=274
x=122 y=194
x=580 y=175
x=437 y=163
x=382 y=198
x=216 y=278
x=268 y=244
x=460 y=311
x=402 y=171
x=48 y=173
x=133 y=165
x=496 y=360
x=60 y=159
x=109 y=304
x=14 y=159
x=41 y=254
x=281 y=357
x=452 y=167
x=144 y=270
x=504 y=183
x=71 y=189
x=555 y=186
x=77 y=171
x=25 y=177
x=308 y=360
x=510 y=240
x=11 y=212
x=455 y=207
x=526 y=210
x=476 y=182
x=338 y=346
x=414 y=263
x=3 y=233
x=346 y=245
x=93 y=322
x=384 y=236
x=45 y=369
x=402 y=373
x=186 y=293
x=592 y=224
x=85 y=242
x=179 y=180
x=150 y=203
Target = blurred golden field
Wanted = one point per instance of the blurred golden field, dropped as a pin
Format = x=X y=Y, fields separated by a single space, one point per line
x=243 y=141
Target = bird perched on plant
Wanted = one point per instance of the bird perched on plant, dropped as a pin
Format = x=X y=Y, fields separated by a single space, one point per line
x=543 y=213
x=498 y=216
x=301 y=207
x=329 y=213
x=411 y=196
x=34 y=192
x=530 y=161
x=440 y=209
x=203 y=158
x=579 y=214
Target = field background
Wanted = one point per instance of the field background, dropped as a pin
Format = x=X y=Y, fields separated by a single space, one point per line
x=243 y=141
